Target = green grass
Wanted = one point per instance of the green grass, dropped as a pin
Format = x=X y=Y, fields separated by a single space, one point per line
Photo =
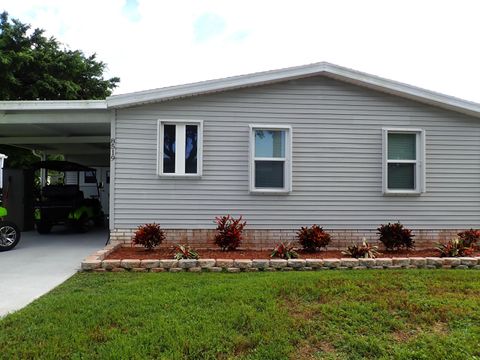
x=417 y=314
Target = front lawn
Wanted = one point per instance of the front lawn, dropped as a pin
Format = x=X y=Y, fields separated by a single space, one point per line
x=416 y=314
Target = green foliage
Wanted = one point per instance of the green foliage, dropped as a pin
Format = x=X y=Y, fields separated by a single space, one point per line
x=455 y=247
x=148 y=236
x=284 y=251
x=33 y=67
x=395 y=236
x=414 y=314
x=185 y=252
x=313 y=238
x=365 y=250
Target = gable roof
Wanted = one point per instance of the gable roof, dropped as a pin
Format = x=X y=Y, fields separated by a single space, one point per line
x=256 y=79
x=297 y=72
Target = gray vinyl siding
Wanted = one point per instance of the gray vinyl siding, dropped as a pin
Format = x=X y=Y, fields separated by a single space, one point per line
x=337 y=161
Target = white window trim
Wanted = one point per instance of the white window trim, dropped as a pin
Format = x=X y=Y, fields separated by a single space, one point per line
x=420 y=168
x=179 y=160
x=288 y=159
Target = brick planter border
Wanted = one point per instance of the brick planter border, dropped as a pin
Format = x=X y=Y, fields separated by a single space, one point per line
x=97 y=263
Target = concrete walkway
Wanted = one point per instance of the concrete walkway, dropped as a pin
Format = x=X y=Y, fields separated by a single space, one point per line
x=41 y=262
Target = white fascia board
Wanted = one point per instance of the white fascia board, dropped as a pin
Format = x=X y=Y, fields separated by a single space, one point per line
x=402 y=90
x=53 y=105
x=210 y=86
x=268 y=77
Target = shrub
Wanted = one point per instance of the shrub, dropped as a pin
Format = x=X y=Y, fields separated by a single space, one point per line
x=470 y=237
x=149 y=236
x=313 y=238
x=455 y=247
x=185 y=252
x=365 y=250
x=229 y=232
x=284 y=251
x=396 y=236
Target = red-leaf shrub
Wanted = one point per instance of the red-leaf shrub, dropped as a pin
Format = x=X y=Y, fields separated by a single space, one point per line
x=313 y=238
x=149 y=236
x=229 y=232
x=284 y=251
x=470 y=237
x=455 y=247
x=395 y=236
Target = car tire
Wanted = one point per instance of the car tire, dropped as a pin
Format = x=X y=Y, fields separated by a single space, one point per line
x=9 y=235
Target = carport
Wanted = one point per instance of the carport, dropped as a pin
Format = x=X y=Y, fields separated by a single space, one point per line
x=80 y=130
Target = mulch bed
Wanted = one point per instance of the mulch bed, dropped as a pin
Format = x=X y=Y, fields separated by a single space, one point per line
x=167 y=253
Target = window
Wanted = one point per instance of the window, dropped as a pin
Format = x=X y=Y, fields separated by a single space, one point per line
x=180 y=148
x=270 y=159
x=403 y=161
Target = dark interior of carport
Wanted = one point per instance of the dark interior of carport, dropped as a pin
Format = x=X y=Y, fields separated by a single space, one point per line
x=79 y=131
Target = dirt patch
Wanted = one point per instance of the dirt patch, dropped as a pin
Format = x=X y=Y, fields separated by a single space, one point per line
x=403 y=336
x=168 y=252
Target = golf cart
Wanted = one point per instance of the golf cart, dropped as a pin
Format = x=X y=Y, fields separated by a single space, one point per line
x=9 y=232
x=64 y=203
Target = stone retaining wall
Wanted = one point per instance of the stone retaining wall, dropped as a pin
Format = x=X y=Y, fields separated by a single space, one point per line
x=267 y=239
x=97 y=263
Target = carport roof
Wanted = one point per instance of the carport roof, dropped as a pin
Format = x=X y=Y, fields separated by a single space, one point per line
x=76 y=128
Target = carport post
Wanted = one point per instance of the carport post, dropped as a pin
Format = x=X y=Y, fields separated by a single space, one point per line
x=43 y=172
x=2 y=158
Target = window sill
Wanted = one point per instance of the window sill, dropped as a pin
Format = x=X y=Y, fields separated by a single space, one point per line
x=178 y=176
x=402 y=193
x=269 y=191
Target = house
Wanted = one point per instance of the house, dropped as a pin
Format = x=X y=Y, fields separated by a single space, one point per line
x=285 y=148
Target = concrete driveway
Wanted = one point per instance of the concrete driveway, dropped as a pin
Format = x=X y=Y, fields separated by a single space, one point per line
x=41 y=262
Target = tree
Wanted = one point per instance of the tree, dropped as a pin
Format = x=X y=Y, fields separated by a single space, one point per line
x=34 y=67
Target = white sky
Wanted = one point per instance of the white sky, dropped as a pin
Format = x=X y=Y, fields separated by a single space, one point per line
x=151 y=44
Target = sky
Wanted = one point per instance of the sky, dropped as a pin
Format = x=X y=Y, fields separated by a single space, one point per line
x=156 y=43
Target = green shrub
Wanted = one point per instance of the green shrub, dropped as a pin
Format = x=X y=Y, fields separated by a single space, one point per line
x=313 y=238
x=185 y=252
x=148 y=236
x=284 y=251
x=395 y=236
x=365 y=250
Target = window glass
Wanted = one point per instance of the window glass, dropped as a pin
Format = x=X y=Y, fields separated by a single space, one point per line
x=269 y=174
x=401 y=176
x=270 y=143
x=169 y=148
x=402 y=146
x=191 y=138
